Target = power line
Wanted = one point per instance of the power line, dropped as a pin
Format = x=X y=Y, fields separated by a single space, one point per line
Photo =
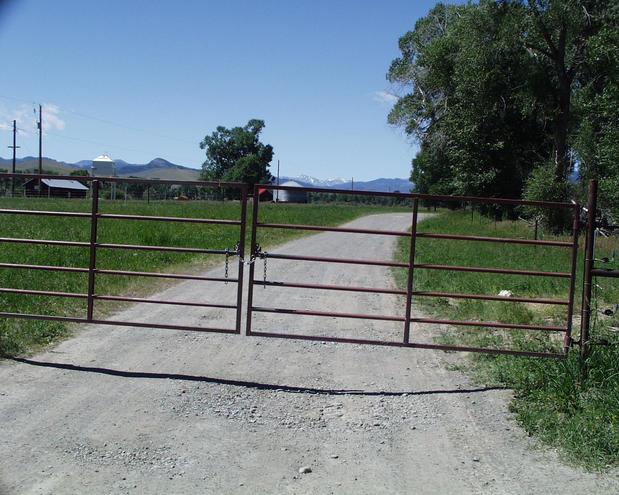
x=106 y=145
x=136 y=129
x=105 y=121
x=110 y=122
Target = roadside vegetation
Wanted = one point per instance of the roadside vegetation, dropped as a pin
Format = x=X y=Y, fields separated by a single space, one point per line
x=504 y=98
x=19 y=336
x=554 y=400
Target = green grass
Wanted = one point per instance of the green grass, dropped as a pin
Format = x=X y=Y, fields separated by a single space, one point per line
x=21 y=336
x=576 y=413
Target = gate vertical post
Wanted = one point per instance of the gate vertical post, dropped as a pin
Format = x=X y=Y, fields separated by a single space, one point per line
x=570 y=305
x=411 y=271
x=94 y=212
x=587 y=275
x=241 y=255
x=252 y=253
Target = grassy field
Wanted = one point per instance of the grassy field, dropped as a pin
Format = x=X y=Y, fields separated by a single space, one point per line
x=21 y=336
x=553 y=400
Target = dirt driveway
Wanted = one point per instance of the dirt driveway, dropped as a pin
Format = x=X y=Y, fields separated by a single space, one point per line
x=127 y=410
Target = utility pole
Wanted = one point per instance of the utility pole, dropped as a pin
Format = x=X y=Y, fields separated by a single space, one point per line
x=352 y=184
x=40 y=124
x=277 y=190
x=14 y=149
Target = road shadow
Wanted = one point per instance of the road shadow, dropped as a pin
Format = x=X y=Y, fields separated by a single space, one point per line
x=244 y=383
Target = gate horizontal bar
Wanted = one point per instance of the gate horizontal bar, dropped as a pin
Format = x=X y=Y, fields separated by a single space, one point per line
x=504 y=271
x=44 y=267
x=506 y=240
x=489 y=324
x=46 y=213
x=113 y=298
x=294 y=226
x=497 y=201
x=43 y=293
x=324 y=313
x=48 y=242
x=376 y=290
x=213 y=221
x=272 y=187
x=130 y=180
x=163 y=275
x=430 y=197
x=453 y=268
x=69 y=319
x=455 y=295
x=158 y=301
x=600 y=272
x=428 y=235
x=335 y=260
x=440 y=347
x=372 y=290
x=139 y=247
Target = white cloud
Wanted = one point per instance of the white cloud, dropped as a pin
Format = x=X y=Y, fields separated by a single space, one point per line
x=51 y=119
x=385 y=97
x=27 y=117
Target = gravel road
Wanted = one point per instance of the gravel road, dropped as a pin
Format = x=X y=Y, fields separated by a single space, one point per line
x=143 y=411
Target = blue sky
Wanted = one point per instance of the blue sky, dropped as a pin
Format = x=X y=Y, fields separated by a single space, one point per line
x=146 y=79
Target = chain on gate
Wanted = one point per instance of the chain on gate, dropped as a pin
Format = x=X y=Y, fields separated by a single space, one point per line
x=263 y=255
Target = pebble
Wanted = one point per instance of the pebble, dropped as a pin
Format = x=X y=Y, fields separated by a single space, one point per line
x=305 y=470
x=475 y=459
x=334 y=456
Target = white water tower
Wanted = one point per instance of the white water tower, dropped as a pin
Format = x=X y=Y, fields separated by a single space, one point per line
x=104 y=166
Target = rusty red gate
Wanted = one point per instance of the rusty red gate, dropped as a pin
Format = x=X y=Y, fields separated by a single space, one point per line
x=406 y=318
x=93 y=246
x=410 y=294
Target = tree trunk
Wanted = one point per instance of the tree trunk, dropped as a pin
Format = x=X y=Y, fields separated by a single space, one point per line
x=561 y=156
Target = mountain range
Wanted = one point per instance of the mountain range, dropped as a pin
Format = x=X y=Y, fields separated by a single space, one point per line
x=382 y=184
x=160 y=168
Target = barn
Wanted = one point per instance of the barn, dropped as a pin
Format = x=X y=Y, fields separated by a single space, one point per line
x=285 y=196
x=265 y=194
x=56 y=188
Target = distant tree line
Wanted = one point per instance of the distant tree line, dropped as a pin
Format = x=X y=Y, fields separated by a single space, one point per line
x=508 y=98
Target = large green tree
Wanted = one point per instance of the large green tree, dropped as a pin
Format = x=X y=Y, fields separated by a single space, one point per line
x=463 y=75
x=494 y=90
x=596 y=138
x=237 y=155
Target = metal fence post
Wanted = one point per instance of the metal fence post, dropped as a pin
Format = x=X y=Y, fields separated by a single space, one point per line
x=94 y=212
x=241 y=255
x=411 y=271
x=587 y=275
x=573 y=262
x=252 y=252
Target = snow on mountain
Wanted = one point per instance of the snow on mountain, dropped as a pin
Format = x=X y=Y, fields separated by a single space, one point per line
x=382 y=184
x=313 y=181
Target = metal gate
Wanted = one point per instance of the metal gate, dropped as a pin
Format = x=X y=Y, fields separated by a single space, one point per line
x=94 y=246
x=406 y=318
x=410 y=294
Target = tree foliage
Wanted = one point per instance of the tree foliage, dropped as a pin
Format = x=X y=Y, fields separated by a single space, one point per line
x=237 y=155
x=491 y=91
